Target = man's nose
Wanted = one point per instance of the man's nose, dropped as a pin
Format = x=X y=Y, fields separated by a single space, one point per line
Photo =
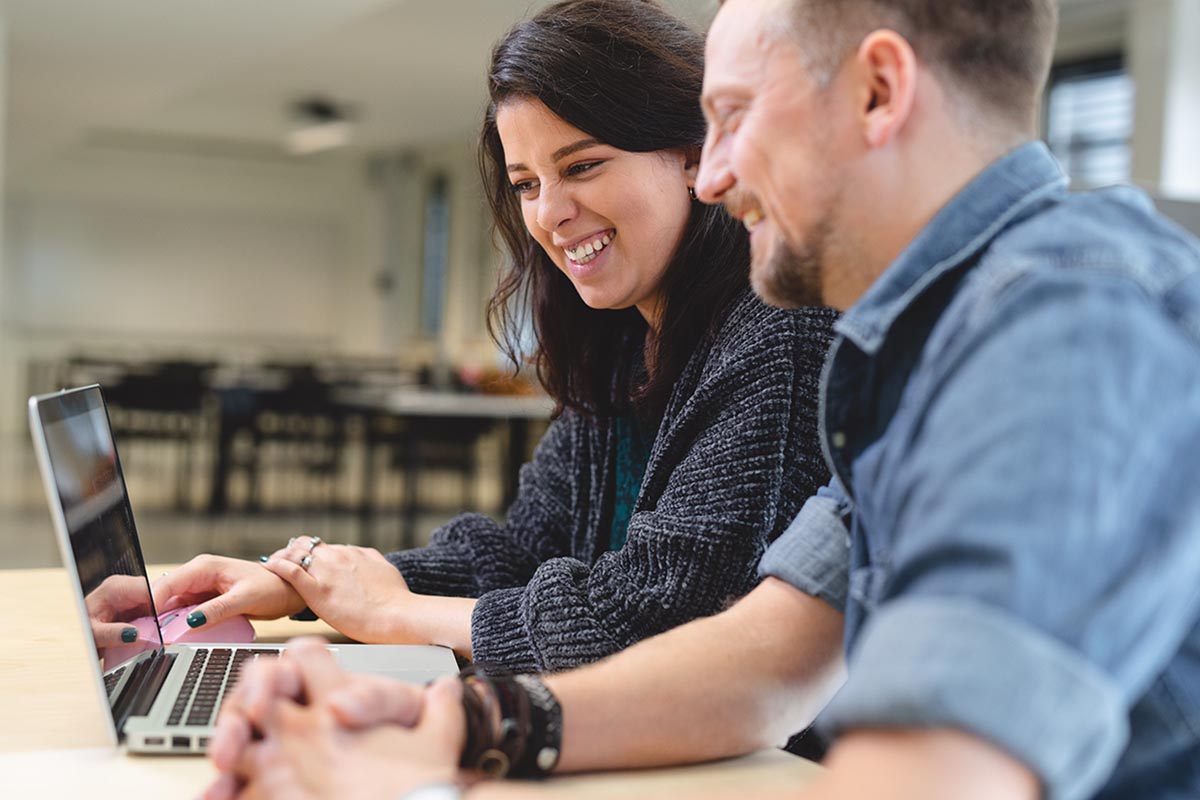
x=714 y=177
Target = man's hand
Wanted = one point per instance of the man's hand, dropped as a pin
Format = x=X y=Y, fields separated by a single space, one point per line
x=327 y=733
x=936 y=764
x=223 y=588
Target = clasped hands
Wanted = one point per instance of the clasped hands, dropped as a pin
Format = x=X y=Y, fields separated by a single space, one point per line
x=301 y=727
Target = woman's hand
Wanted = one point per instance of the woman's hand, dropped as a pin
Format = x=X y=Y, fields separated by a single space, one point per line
x=354 y=589
x=223 y=588
x=307 y=751
x=111 y=606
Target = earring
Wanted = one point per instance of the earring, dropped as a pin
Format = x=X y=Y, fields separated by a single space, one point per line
x=692 y=192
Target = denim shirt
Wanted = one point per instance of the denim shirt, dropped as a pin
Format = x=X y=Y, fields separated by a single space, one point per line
x=1012 y=416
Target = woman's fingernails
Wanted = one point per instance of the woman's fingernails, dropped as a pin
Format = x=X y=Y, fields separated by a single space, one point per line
x=129 y=635
x=196 y=619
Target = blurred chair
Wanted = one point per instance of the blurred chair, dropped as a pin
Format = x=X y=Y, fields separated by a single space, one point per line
x=159 y=402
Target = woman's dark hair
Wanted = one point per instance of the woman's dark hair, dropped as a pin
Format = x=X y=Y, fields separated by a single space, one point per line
x=629 y=74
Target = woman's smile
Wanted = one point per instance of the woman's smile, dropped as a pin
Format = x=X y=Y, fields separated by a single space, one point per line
x=589 y=247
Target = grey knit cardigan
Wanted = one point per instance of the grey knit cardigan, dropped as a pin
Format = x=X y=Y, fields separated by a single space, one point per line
x=735 y=457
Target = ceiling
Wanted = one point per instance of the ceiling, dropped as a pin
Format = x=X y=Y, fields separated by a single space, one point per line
x=220 y=75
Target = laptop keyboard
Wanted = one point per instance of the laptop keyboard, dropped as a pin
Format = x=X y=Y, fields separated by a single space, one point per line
x=210 y=676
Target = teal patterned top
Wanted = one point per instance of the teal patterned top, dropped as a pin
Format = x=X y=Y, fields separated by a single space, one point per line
x=633 y=453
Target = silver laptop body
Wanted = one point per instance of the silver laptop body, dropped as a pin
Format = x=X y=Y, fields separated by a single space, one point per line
x=159 y=699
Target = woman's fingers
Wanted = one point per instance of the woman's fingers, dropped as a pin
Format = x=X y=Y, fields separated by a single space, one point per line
x=113 y=634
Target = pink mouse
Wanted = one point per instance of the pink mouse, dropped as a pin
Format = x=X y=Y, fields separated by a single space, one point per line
x=175 y=630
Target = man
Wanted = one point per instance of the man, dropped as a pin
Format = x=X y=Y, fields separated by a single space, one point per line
x=1011 y=543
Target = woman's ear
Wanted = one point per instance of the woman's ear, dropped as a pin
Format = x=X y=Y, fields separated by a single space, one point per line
x=691 y=164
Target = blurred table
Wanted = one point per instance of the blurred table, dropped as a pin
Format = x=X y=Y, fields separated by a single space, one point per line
x=429 y=415
x=52 y=731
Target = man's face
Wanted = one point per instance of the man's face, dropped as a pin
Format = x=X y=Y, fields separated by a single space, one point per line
x=771 y=155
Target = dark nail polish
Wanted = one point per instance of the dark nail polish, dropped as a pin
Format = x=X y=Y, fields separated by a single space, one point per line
x=264 y=559
x=129 y=635
x=196 y=619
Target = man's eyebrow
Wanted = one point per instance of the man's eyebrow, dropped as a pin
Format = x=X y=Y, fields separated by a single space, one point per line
x=560 y=153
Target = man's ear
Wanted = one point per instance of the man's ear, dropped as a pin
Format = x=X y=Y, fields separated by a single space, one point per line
x=885 y=67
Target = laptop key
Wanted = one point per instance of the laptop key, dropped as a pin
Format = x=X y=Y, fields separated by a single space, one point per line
x=213 y=684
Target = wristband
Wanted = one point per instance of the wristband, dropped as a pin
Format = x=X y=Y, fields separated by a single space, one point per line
x=514 y=724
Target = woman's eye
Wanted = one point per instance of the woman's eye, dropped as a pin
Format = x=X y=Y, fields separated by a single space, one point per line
x=523 y=187
x=579 y=169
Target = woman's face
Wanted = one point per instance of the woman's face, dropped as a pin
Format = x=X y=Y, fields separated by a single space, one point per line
x=609 y=219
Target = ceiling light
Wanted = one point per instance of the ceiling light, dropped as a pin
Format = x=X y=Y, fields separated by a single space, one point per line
x=319 y=125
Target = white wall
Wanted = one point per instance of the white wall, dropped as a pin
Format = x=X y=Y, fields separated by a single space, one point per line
x=219 y=255
x=1165 y=64
x=8 y=372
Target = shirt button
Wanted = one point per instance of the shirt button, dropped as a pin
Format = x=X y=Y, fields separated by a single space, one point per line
x=839 y=439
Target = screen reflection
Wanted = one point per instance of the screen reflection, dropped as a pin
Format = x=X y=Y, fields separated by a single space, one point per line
x=87 y=474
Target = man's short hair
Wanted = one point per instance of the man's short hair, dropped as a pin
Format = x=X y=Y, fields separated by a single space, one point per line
x=994 y=53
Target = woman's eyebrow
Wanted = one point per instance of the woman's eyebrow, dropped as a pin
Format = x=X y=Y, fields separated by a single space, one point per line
x=560 y=153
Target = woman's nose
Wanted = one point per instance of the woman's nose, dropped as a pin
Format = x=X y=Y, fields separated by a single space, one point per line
x=555 y=207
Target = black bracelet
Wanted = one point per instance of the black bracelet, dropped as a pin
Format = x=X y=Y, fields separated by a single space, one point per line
x=544 y=747
x=514 y=724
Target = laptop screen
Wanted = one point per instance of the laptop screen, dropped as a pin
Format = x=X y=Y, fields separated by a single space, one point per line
x=95 y=505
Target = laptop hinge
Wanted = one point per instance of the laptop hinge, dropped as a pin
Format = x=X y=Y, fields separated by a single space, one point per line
x=142 y=688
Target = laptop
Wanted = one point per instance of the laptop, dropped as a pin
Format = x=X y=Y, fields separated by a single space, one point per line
x=160 y=698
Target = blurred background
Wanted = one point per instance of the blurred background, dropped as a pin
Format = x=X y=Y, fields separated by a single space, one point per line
x=259 y=225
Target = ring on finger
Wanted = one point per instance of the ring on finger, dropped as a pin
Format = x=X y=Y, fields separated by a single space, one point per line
x=306 y=562
x=313 y=542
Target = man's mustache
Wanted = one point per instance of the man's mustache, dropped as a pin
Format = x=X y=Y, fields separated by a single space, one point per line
x=738 y=204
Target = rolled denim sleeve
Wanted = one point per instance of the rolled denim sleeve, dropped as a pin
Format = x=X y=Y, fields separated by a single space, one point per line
x=926 y=662
x=813 y=554
x=1043 y=567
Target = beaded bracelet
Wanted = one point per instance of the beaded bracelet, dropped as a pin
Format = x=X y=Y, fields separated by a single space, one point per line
x=514 y=724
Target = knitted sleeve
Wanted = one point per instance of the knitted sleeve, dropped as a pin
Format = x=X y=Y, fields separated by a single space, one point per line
x=473 y=553
x=738 y=460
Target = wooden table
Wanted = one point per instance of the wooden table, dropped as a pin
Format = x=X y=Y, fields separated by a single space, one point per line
x=52 y=730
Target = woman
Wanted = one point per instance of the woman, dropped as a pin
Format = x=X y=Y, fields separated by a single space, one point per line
x=686 y=433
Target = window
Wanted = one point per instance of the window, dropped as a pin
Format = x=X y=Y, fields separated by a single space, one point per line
x=1089 y=120
x=436 y=255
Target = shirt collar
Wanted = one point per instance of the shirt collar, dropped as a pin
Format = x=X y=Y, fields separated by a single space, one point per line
x=972 y=218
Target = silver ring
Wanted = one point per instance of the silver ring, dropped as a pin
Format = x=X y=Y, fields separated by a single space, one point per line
x=316 y=540
x=306 y=562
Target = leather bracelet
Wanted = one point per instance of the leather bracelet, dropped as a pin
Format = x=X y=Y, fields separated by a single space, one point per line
x=544 y=747
x=514 y=724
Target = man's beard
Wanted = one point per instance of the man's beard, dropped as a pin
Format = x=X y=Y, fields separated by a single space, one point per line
x=793 y=277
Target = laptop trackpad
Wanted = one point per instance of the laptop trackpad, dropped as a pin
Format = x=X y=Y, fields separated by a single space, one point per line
x=418 y=664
